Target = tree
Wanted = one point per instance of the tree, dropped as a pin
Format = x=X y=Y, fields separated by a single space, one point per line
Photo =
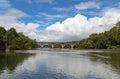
x=2 y=37
x=11 y=40
x=11 y=34
x=23 y=42
x=107 y=39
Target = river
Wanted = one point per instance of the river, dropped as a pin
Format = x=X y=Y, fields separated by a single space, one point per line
x=60 y=64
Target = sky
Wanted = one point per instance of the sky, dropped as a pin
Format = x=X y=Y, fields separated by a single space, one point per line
x=59 y=20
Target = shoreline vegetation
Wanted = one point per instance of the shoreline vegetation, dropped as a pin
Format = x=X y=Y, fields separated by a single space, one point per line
x=11 y=40
x=105 y=40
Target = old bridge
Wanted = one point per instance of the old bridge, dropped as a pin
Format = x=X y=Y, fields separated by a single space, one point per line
x=57 y=45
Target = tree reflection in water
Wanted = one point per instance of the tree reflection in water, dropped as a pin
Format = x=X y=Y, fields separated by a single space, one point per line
x=112 y=58
x=61 y=64
x=9 y=61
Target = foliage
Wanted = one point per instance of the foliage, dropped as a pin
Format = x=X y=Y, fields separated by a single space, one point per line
x=13 y=40
x=2 y=38
x=11 y=60
x=105 y=40
x=108 y=39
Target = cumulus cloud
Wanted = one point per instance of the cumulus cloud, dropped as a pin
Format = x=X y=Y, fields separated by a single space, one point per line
x=77 y=27
x=10 y=19
x=73 y=28
x=81 y=27
x=87 y=5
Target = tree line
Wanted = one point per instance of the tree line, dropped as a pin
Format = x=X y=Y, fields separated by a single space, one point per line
x=11 y=40
x=105 y=40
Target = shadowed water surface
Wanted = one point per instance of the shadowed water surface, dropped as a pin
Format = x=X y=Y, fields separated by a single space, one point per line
x=60 y=64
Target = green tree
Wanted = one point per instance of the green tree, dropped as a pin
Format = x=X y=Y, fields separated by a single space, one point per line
x=10 y=39
x=107 y=39
x=23 y=42
x=2 y=37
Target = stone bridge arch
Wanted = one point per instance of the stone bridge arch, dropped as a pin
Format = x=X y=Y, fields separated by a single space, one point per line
x=57 y=45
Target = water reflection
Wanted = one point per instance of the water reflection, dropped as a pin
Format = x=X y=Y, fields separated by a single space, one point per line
x=65 y=64
x=110 y=58
x=9 y=61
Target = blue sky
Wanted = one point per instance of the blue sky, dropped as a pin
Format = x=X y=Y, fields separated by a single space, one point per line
x=69 y=19
x=50 y=11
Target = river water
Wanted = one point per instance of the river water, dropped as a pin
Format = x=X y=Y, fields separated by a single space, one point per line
x=60 y=64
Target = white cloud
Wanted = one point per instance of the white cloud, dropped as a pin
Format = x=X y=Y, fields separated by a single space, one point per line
x=48 y=16
x=80 y=68
x=73 y=28
x=87 y=5
x=31 y=26
x=80 y=26
x=10 y=19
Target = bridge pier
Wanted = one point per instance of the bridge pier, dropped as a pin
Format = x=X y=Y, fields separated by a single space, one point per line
x=62 y=46
x=52 y=45
x=72 y=46
x=41 y=45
